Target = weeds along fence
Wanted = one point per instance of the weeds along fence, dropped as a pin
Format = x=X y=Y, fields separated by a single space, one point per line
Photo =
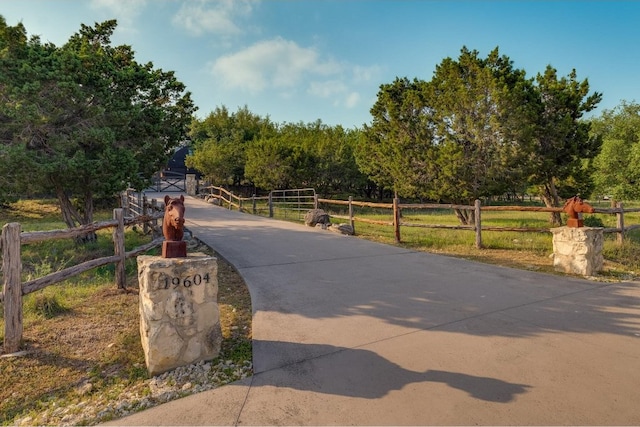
x=14 y=289
x=287 y=204
x=396 y=220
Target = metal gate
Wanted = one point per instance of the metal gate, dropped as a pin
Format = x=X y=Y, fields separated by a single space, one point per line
x=292 y=203
x=169 y=181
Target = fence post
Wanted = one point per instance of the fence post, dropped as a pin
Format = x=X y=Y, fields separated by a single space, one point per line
x=315 y=201
x=240 y=204
x=154 y=209
x=230 y=199
x=12 y=287
x=270 y=204
x=118 y=249
x=620 y=222
x=284 y=204
x=478 y=224
x=143 y=211
x=352 y=223
x=124 y=201
x=253 y=204
x=396 y=218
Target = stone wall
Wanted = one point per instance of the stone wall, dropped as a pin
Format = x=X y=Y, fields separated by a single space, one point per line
x=578 y=250
x=179 y=316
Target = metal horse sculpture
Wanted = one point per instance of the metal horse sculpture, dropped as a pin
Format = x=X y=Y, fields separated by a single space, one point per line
x=574 y=207
x=173 y=228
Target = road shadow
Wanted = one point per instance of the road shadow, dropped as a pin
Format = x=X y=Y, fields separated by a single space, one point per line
x=365 y=374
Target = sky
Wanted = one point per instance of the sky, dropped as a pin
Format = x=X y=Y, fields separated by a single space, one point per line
x=306 y=60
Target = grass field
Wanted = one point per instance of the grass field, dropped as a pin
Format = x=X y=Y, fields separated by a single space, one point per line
x=86 y=331
x=527 y=250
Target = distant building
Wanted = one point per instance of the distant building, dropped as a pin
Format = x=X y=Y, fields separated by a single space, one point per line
x=177 y=166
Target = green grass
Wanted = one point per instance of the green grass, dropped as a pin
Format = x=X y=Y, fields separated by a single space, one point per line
x=530 y=250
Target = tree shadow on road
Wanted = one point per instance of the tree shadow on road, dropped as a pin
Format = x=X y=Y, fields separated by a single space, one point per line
x=363 y=373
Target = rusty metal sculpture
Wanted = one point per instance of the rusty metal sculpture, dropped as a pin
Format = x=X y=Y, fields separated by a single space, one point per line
x=173 y=228
x=574 y=207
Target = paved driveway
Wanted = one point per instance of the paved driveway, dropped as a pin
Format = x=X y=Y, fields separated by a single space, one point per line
x=351 y=332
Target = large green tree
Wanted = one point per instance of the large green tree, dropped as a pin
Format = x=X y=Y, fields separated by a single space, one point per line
x=220 y=141
x=617 y=166
x=481 y=130
x=396 y=149
x=305 y=155
x=460 y=136
x=562 y=137
x=85 y=119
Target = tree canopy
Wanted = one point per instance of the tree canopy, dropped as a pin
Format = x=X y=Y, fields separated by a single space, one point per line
x=617 y=166
x=562 y=138
x=85 y=119
x=305 y=155
x=480 y=128
x=220 y=142
x=454 y=138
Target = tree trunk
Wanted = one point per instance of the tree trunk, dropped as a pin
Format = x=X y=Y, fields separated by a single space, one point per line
x=465 y=216
x=550 y=198
x=88 y=207
x=88 y=218
x=69 y=214
x=72 y=218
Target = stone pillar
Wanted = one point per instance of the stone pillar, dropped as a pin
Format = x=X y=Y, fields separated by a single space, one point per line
x=191 y=184
x=578 y=250
x=179 y=316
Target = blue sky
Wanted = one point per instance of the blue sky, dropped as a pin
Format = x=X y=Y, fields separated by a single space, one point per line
x=299 y=61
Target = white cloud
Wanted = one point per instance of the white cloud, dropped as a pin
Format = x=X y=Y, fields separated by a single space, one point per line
x=213 y=16
x=366 y=74
x=274 y=63
x=352 y=100
x=327 y=89
x=124 y=11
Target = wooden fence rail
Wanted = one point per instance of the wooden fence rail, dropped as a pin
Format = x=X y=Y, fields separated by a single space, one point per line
x=227 y=198
x=298 y=200
x=14 y=289
x=397 y=222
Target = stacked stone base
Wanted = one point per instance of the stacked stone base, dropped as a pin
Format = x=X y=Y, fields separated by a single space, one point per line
x=578 y=250
x=179 y=316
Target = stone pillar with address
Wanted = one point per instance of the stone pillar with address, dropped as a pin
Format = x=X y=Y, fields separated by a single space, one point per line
x=179 y=316
x=578 y=250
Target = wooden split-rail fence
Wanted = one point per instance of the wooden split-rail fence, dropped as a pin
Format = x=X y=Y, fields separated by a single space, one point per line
x=477 y=208
x=301 y=200
x=14 y=289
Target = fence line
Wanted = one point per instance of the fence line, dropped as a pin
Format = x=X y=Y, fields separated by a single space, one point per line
x=293 y=200
x=397 y=222
x=14 y=289
x=298 y=200
x=226 y=197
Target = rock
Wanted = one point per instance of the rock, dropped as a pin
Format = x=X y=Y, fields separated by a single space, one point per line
x=84 y=388
x=316 y=216
x=342 y=228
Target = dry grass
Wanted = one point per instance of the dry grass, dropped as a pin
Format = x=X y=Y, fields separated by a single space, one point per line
x=85 y=330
